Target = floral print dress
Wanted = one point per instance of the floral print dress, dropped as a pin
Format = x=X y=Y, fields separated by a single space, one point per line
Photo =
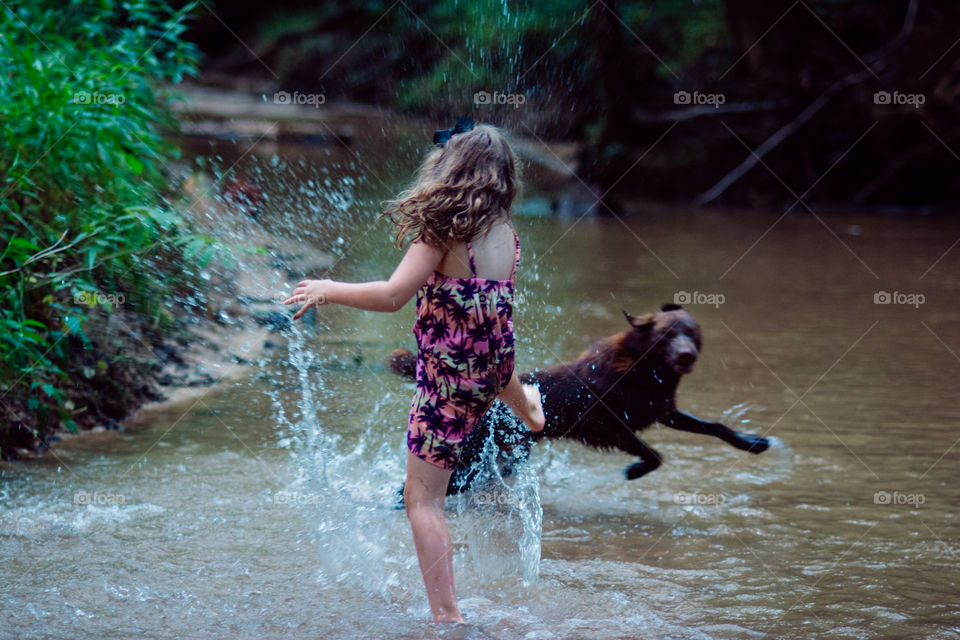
x=465 y=357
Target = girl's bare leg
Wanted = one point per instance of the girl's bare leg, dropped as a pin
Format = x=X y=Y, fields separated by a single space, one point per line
x=423 y=496
x=524 y=401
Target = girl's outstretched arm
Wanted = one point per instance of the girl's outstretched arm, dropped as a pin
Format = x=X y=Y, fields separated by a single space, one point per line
x=524 y=401
x=385 y=295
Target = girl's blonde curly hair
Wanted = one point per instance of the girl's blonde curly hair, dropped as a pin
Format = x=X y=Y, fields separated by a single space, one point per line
x=462 y=190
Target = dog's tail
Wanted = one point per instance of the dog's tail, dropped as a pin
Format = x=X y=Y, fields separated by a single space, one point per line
x=403 y=363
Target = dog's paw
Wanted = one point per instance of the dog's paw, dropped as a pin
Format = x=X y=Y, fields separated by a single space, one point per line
x=639 y=469
x=756 y=444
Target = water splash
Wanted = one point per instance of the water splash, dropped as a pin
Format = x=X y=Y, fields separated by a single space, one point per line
x=348 y=499
x=351 y=529
x=774 y=465
x=501 y=515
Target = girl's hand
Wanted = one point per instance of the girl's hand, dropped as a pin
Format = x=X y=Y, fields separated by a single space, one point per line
x=312 y=293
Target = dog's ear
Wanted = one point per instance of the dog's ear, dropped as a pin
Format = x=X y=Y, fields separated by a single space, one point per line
x=670 y=306
x=640 y=322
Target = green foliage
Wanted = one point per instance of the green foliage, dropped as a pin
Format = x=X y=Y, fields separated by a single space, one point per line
x=481 y=45
x=679 y=32
x=451 y=50
x=83 y=225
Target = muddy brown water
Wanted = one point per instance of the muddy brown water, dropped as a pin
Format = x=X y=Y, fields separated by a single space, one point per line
x=186 y=526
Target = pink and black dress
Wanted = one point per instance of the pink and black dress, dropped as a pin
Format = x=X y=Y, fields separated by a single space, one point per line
x=465 y=358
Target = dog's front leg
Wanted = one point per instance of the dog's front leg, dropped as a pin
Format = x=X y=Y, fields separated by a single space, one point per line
x=743 y=441
x=649 y=458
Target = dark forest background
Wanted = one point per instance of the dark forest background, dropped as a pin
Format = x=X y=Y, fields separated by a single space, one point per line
x=848 y=103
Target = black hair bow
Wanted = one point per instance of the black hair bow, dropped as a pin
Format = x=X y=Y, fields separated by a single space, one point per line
x=441 y=136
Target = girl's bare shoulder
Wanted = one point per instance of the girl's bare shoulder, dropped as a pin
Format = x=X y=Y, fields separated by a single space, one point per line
x=494 y=252
x=493 y=255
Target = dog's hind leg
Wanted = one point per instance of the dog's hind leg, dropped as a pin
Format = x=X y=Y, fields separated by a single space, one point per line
x=500 y=440
x=649 y=458
x=743 y=441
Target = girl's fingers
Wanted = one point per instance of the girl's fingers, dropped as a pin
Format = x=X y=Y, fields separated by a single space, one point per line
x=303 y=310
x=300 y=295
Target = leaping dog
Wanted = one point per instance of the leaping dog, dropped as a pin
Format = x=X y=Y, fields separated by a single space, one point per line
x=619 y=386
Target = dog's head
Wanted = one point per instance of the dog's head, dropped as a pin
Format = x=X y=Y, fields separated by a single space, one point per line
x=670 y=337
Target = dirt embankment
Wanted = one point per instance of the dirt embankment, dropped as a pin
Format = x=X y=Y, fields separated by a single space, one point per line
x=234 y=326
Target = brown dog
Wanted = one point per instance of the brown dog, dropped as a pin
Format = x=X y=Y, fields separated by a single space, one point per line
x=620 y=385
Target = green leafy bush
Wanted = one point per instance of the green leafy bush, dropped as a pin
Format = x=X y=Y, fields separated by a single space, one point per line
x=84 y=225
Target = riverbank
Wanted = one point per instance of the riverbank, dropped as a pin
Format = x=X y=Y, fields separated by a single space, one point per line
x=92 y=255
x=203 y=339
x=207 y=345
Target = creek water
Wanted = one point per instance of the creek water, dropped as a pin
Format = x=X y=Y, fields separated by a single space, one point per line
x=264 y=508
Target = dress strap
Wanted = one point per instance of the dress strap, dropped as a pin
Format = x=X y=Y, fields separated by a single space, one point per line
x=516 y=254
x=473 y=265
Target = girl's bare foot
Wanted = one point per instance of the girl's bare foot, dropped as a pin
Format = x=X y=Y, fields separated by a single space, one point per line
x=535 y=418
x=449 y=617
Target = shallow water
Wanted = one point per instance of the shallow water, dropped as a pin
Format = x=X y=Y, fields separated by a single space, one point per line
x=237 y=514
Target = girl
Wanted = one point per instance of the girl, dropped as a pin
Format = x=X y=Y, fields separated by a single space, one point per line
x=461 y=263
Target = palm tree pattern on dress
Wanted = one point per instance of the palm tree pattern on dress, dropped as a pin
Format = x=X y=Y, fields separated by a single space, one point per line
x=465 y=357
